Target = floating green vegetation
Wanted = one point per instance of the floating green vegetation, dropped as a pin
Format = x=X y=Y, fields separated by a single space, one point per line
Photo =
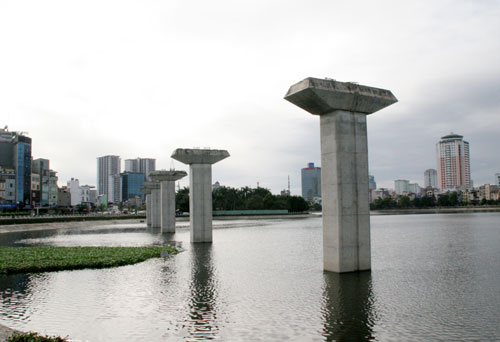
x=44 y=259
x=33 y=337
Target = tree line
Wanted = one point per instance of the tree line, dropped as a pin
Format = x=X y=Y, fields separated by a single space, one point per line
x=228 y=198
x=445 y=200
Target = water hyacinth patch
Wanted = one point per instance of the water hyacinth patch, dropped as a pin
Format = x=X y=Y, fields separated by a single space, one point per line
x=34 y=337
x=44 y=259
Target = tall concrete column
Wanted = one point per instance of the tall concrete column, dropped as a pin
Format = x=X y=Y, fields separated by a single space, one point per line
x=167 y=193
x=200 y=188
x=147 y=192
x=344 y=171
x=149 y=220
x=155 y=211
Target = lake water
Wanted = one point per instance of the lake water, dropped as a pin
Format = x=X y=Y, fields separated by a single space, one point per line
x=434 y=278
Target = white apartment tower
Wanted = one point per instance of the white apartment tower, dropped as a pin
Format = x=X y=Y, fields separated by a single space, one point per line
x=401 y=186
x=453 y=162
x=430 y=178
x=497 y=179
x=108 y=177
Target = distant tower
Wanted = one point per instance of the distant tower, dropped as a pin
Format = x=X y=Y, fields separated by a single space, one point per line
x=141 y=165
x=453 y=161
x=132 y=165
x=146 y=165
x=108 y=177
x=497 y=179
x=430 y=178
x=311 y=182
x=372 y=185
x=401 y=186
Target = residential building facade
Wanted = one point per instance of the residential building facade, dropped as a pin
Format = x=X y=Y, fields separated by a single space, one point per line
x=15 y=154
x=453 y=161
x=41 y=167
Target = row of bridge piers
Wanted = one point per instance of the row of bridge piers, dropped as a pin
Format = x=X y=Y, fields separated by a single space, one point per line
x=160 y=193
x=342 y=108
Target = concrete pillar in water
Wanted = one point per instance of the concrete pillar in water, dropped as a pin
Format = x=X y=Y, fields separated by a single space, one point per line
x=200 y=188
x=155 y=211
x=343 y=107
x=167 y=196
x=147 y=192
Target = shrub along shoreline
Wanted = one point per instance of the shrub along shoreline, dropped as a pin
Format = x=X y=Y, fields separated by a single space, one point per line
x=46 y=259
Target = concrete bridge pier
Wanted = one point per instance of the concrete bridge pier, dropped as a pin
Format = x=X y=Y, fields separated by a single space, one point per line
x=147 y=193
x=167 y=196
x=200 y=188
x=154 y=187
x=343 y=107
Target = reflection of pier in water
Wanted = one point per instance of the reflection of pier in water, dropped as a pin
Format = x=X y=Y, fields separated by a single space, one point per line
x=348 y=311
x=202 y=320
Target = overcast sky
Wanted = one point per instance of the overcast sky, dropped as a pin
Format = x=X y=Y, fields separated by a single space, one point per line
x=142 y=78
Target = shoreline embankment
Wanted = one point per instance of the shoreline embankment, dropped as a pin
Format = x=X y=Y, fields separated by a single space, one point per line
x=440 y=210
x=64 y=223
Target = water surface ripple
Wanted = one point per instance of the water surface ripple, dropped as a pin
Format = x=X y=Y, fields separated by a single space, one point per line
x=434 y=278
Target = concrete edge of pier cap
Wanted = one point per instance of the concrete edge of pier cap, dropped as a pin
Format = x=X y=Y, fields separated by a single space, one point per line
x=164 y=175
x=199 y=156
x=145 y=191
x=322 y=96
x=151 y=185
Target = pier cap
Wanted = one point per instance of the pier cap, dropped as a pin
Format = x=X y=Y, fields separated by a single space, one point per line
x=145 y=191
x=199 y=156
x=151 y=185
x=164 y=175
x=322 y=96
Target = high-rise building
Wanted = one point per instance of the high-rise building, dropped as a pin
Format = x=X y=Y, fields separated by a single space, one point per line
x=453 y=162
x=15 y=153
x=311 y=182
x=132 y=165
x=372 y=185
x=401 y=186
x=430 y=178
x=497 y=179
x=413 y=188
x=108 y=177
x=142 y=165
x=131 y=184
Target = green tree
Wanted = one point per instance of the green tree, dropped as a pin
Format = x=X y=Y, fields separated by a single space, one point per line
x=428 y=201
x=316 y=207
x=404 y=202
x=416 y=202
x=297 y=204
x=443 y=200
x=182 y=199
x=453 y=199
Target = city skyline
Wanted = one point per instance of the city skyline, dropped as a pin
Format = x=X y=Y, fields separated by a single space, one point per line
x=121 y=85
